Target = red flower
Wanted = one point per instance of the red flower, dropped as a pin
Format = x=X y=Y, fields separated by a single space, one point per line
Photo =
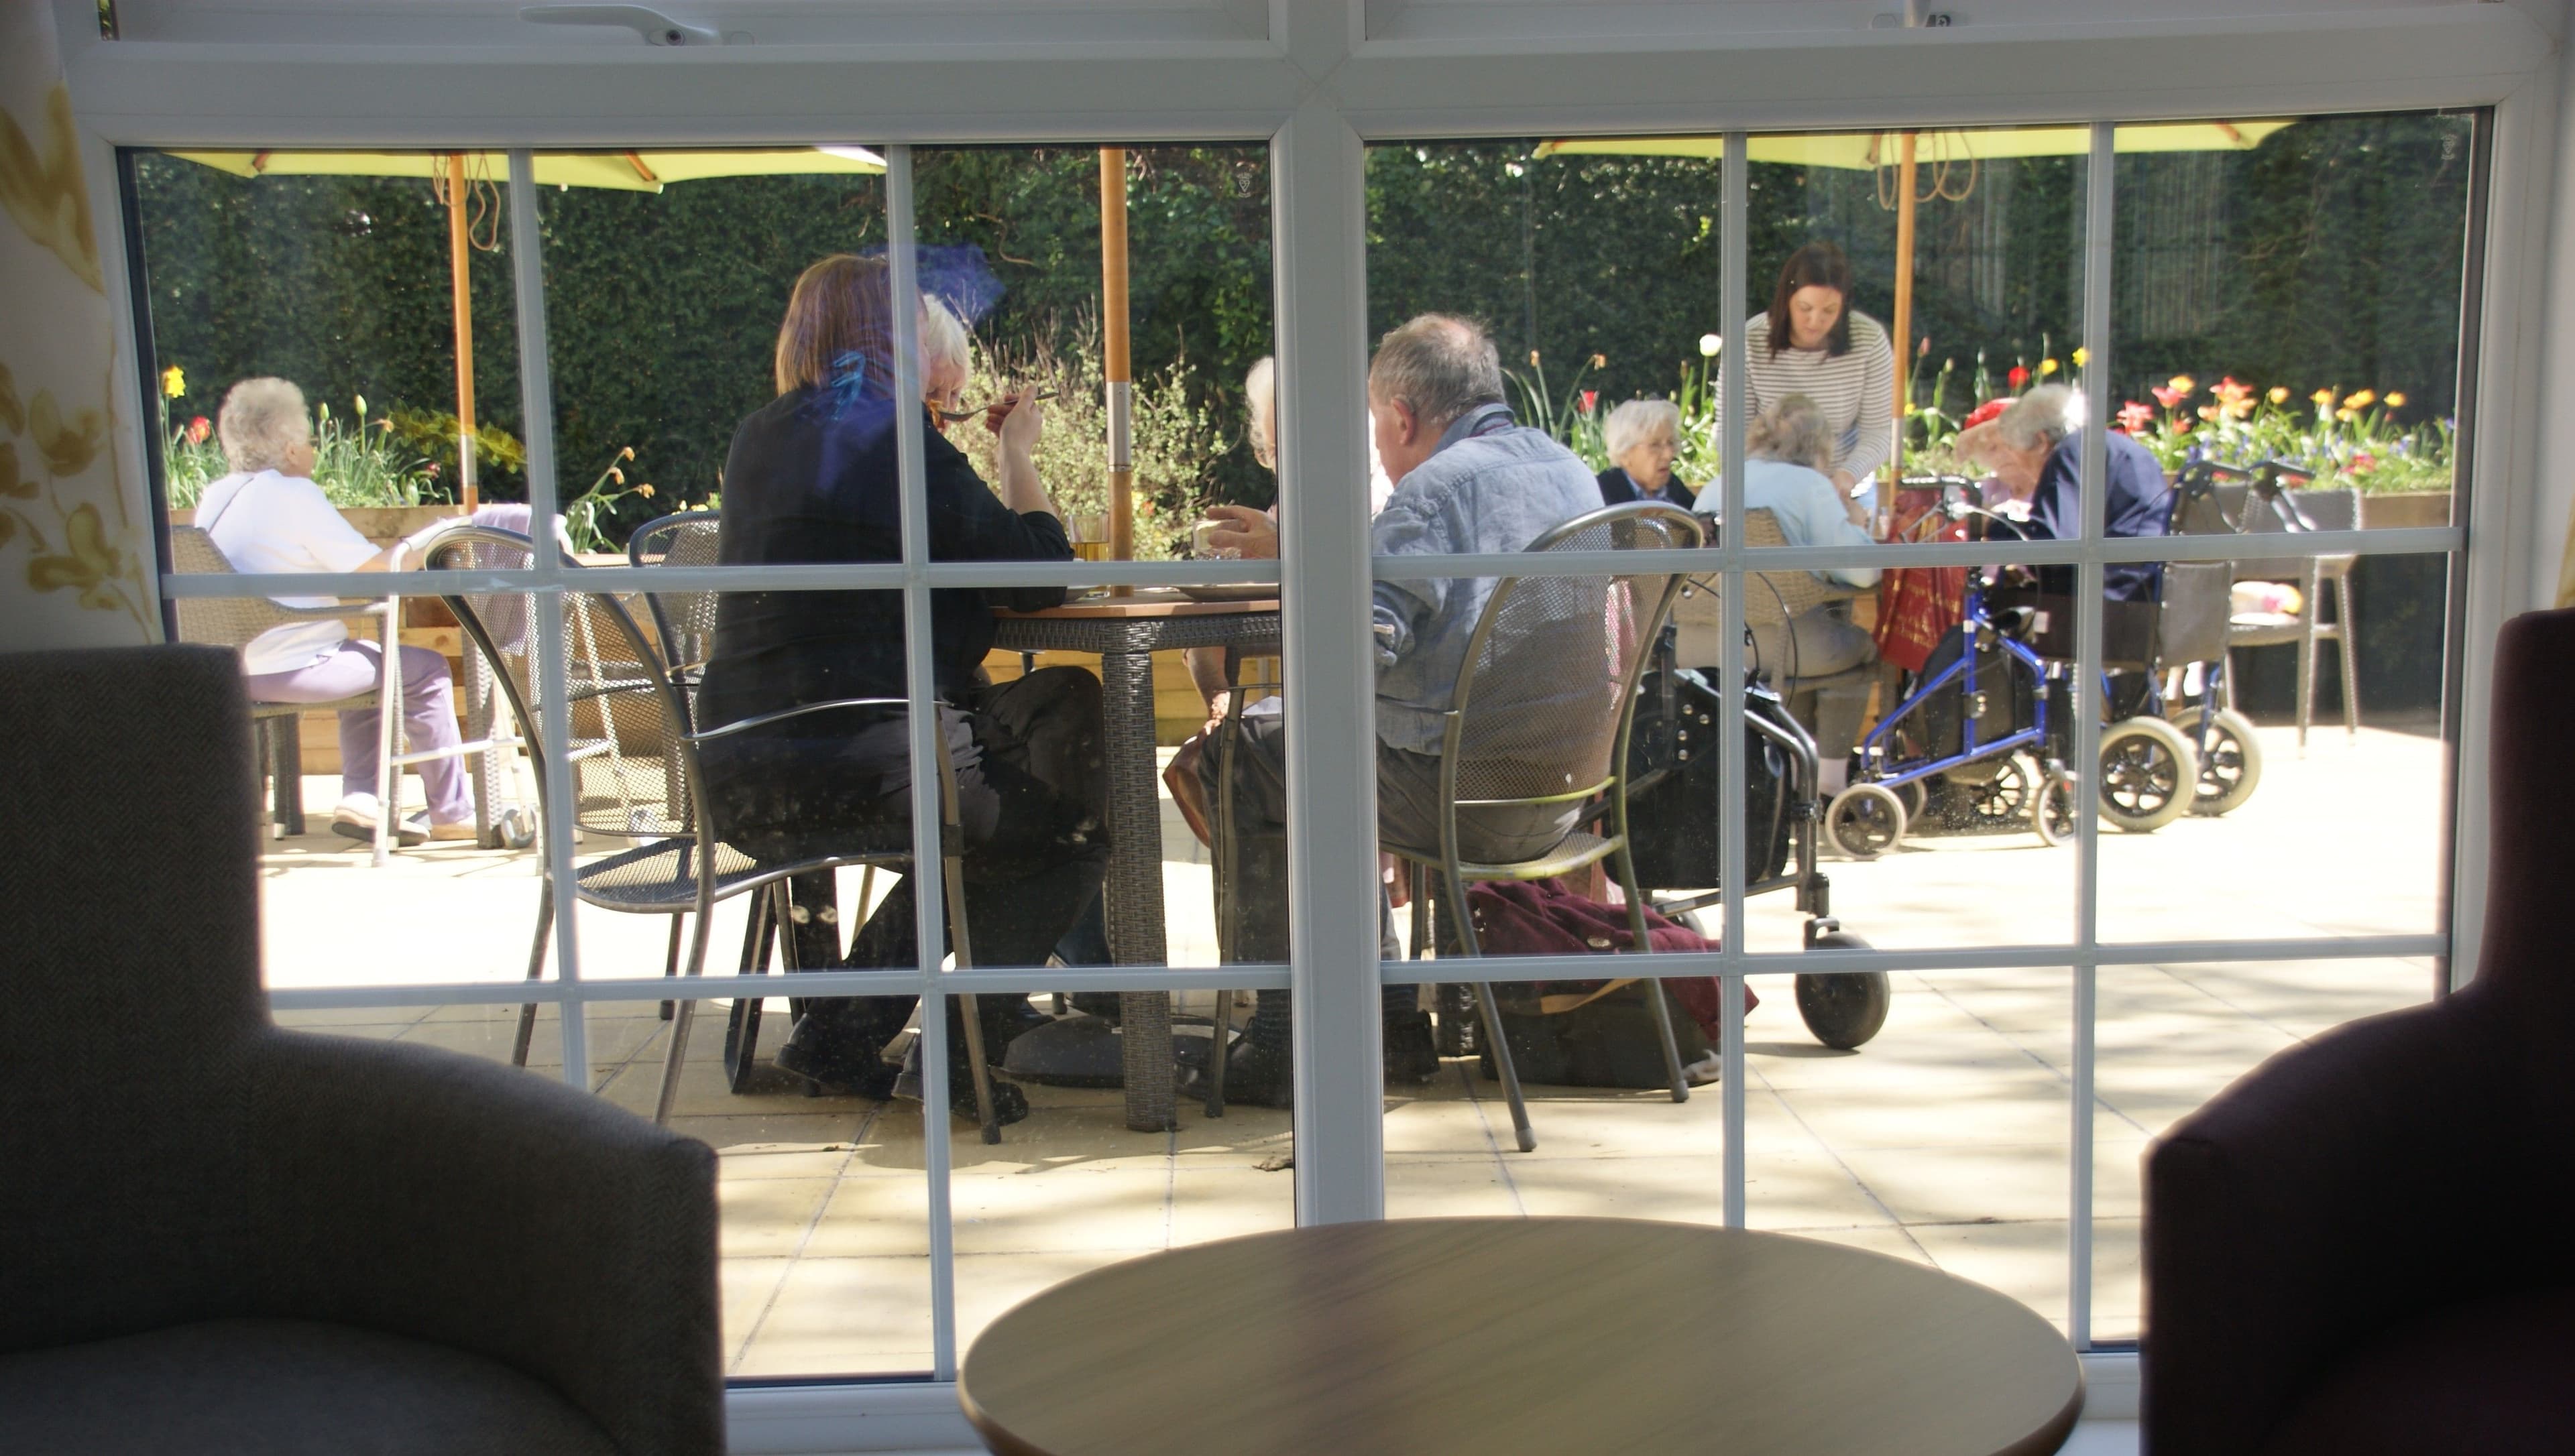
x=2018 y=377
x=2168 y=398
x=1984 y=414
x=2363 y=463
x=199 y=429
x=2135 y=417
x=1590 y=399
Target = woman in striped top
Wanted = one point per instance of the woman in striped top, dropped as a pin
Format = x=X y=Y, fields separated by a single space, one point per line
x=1813 y=343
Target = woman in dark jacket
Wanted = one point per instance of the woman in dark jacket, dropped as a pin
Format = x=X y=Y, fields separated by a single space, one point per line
x=1644 y=438
x=812 y=478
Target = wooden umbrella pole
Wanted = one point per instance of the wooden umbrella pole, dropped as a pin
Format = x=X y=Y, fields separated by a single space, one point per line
x=460 y=251
x=1902 y=338
x=1119 y=367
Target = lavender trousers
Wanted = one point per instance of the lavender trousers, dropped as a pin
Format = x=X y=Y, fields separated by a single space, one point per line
x=429 y=718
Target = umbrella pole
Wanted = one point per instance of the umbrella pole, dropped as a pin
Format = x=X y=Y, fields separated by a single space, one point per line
x=1120 y=368
x=1903 y=331
x=460 y=251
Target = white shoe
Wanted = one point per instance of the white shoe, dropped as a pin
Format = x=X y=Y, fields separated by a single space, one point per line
x=355 y=819
x=1706 y=1070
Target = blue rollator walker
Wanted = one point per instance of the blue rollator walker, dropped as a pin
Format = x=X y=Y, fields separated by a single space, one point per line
x=1987 y=714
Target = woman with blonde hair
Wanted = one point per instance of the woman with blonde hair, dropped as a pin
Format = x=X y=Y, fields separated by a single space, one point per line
x=813 y=478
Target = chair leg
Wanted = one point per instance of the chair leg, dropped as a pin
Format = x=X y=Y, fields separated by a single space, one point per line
x=742 y=1027
x=1219 y=1036
x=1490 y=1010
x=671 y=960
x=1223 y=854
x=1661 y=1001
x=967 y=1012
x=536 y=970
x=2349 y=640
x=2307 y=676
x=670 y=1090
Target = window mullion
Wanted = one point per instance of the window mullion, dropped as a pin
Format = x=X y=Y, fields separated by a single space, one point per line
x=2099 y=238
x=1735 y=283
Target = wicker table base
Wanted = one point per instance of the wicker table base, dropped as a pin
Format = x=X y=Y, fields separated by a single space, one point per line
x=1125 y=632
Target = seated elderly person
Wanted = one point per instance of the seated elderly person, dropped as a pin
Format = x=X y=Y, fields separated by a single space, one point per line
x=1468 y=478
x=2036 y=450
x=269 y=515
x=1644 y=438
x=1788 y=450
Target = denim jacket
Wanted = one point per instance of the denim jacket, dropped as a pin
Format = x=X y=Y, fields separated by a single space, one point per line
x=1492 y=485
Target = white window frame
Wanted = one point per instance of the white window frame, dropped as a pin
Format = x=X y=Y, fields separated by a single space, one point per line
x=1318 y=91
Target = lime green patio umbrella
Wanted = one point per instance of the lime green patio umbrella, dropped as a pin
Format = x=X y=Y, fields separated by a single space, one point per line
x=1906 y=152
x=453 y=171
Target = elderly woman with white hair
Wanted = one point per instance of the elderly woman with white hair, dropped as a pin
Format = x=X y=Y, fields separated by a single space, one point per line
x=269 y=515
x=1644 y=438
x=2035 y=450
x=1789 y=449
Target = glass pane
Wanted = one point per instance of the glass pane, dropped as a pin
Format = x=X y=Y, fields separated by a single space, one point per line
x=1074 y=1185
x=2173 y=1036
x=2261 y=310
x=2234 y=646
x=335 y=272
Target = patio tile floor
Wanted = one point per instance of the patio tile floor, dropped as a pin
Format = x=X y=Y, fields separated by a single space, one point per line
x=1943 y=1140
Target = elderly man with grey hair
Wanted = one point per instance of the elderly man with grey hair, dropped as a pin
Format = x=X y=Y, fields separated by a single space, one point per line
x=1468 y=480
x=1644 y=438
x=2036 y=450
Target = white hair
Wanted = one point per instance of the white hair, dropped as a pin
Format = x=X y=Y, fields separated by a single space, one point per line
x=1437 y=365
x=943 y=348
x=1794 y=430
x=1260 y=394
x=1638 y=421
x=261 y=419
x=2043 y=417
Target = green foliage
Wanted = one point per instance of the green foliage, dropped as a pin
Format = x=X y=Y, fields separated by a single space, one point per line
x=585 y=516
x=361 y=464
x=2352 y=440
x=430 y=434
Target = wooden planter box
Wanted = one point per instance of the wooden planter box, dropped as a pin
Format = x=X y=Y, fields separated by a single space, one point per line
x=2402 y=510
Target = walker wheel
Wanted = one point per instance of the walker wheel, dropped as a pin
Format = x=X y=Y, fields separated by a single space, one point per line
x=2052 y=808
x=1844 y=1008
x=2150 y=774
x=516 y=828
x=1865 y=820
x=2232 y=763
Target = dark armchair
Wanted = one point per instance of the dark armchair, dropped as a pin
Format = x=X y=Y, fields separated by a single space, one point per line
x=226 y=1238
x=2362 y=1245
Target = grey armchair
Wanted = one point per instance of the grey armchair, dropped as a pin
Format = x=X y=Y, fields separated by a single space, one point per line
x=224 y=1236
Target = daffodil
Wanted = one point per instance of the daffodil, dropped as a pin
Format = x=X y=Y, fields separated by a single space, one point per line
x=2046 y=367
x=2082 y=357
x=174 y=382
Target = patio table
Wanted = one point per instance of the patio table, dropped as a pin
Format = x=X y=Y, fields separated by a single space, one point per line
x=1125 y=632
x=1428 y=1336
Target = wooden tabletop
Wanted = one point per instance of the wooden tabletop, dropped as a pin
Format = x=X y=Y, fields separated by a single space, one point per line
x=1148 y=602
x=1551 y=1336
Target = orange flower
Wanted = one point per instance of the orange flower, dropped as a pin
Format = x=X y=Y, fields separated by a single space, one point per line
x=2184 y=383
x=2359 y=399
x=2395 y=399
x=2279 y=393
x=2323 y=398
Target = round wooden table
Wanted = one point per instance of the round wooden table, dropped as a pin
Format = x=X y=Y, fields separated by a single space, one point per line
x=1561 y=1336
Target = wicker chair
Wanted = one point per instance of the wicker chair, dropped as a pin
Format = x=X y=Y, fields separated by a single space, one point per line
x=1773 y=600
x=1525 y=730
x=2293 y=513
x=635 y=767
x=234 y=622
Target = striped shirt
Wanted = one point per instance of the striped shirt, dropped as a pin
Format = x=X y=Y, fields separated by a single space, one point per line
x=1855 y=390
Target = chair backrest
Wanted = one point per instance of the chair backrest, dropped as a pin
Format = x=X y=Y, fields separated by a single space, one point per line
x=2529 y=796
x=1551 y=670
x=634 y=771
x=224 y=621
x=685 y=621
x=1771 y=598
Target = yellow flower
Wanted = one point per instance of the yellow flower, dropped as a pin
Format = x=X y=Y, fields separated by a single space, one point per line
x=2347 y=414
x=2082 y=357
x=88 y=565
x=2323 y=398
x=2279 y=393
x=2046 y=367
x=174 y=382
x=2209 y=413
x=2395 y=398
x=616 y=474
x=2359 y=399
x=627 y=453
x=644 y=489
x=1533 y=357
x=1599 y=361
x=2182 y=382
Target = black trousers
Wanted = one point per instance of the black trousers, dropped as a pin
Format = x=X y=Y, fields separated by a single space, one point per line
x=1407 y=815
x=1032 y=797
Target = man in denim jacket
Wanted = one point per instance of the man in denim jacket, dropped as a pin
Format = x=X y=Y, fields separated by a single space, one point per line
x=1469 y=481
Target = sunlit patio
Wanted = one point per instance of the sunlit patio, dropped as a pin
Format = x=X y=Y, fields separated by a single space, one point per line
x=1944 y=1140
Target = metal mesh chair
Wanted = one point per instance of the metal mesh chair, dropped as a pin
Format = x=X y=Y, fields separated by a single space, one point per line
x=1539 y=717
x=685 y=621
x=234 y=622
x=635 y=769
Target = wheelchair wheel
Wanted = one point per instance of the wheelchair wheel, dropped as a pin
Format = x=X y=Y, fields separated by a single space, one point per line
x=1844 y=1008
x=1865 y=820
x=2052 y=808
x=2004 y=798
x=1916 y=797
x=2232 y=766
x=2149 y=772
